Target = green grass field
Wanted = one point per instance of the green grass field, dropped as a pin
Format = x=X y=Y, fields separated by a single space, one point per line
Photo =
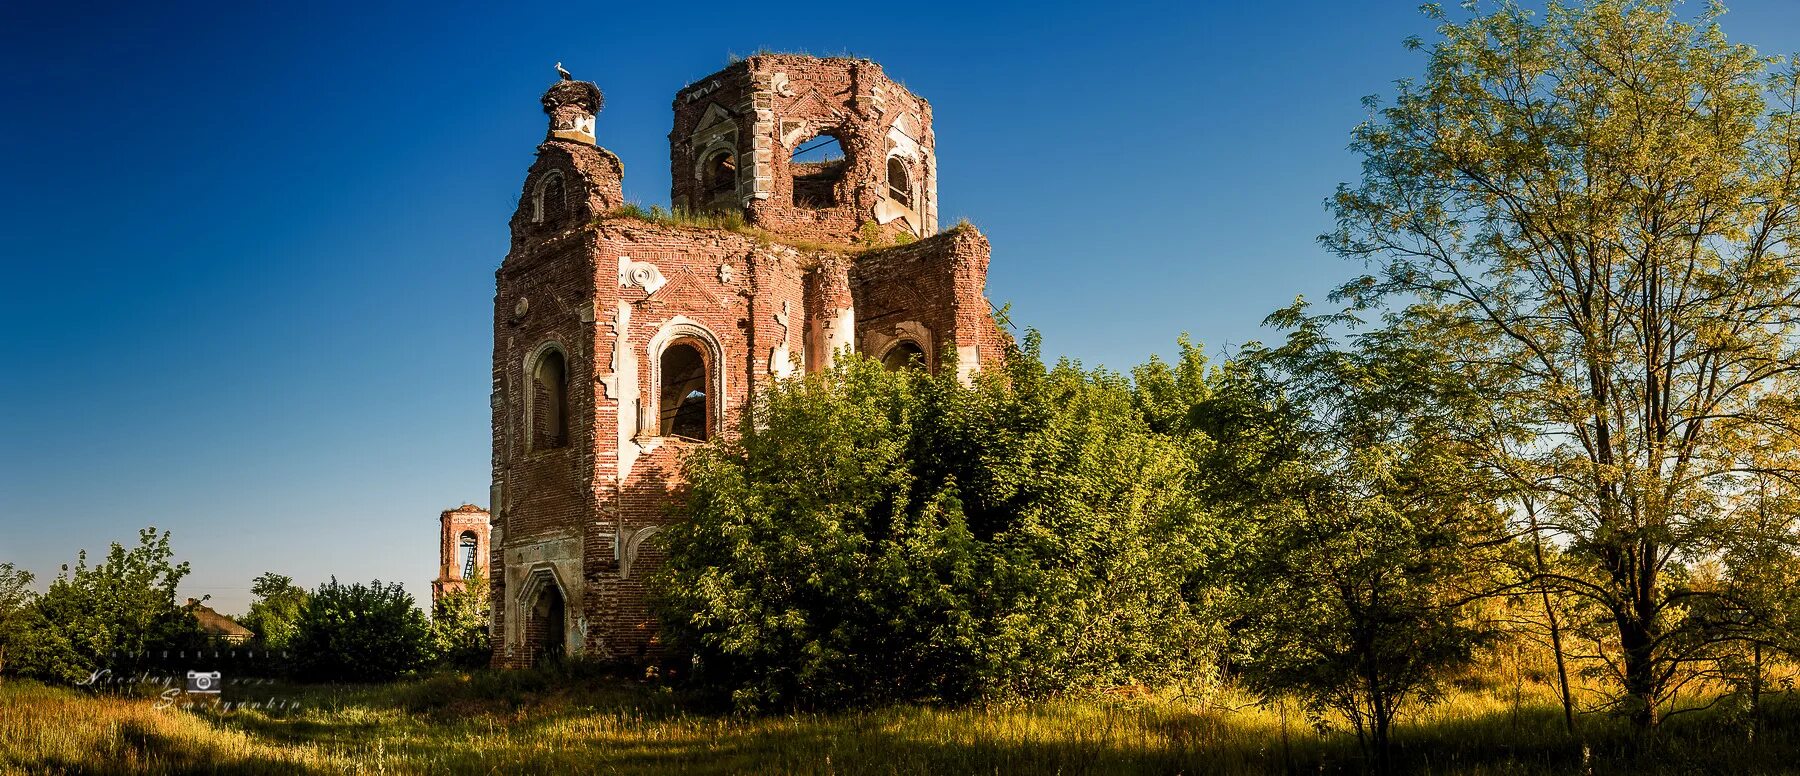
x=519 y=723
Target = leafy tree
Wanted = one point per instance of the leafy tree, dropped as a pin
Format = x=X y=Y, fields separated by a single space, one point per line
x=29 y=645
x=1370 y=529
x=460 y=622
x=1598 y=207
x=877 y=536
x=16 y=600
x=275 y=614
x=124 y=607
x=359 y=632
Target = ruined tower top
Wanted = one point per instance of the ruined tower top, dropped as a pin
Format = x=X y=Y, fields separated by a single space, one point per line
x=572 y=105
x=826 y=149
x=574 y=179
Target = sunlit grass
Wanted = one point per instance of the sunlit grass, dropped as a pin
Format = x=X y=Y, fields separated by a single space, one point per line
x=519 y=722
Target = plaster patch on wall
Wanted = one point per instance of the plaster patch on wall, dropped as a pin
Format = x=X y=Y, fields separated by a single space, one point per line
x=968 y=359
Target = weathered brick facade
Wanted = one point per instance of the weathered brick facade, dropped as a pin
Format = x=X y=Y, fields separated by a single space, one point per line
x=463 y=548
x=736 y=131
x=620 y=343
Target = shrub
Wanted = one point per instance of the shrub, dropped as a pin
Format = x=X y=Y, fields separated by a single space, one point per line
x=879 y=536
x=275 y=615
x=459 y=625
x=360 y=632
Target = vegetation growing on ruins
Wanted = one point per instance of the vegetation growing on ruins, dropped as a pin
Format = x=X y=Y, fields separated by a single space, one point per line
x=731 y=220
x=1526 y=503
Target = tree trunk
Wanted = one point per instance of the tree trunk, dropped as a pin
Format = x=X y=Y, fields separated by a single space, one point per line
x=1756 y=666
x=1635 y=637
x=1556 y=646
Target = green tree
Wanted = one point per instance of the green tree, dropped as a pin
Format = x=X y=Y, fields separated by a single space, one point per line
x=122 y=608
x=17 y=599
x=29 y=644
x=459 y=624
x=1598 y=207
x=1372 y=539
x=877 y=536
x=275 y=614
x=360 y=633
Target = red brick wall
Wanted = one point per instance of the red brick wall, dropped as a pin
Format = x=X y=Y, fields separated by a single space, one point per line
x=939 y=282
x=849 y=99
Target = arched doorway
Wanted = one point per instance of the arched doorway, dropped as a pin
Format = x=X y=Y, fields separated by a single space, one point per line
x=544 y=633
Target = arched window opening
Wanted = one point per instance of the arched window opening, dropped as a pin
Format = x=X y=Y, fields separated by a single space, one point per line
x=899 y=181
x=552 y=199
x=550 y=401
x=681 y=397
x=465 y=554
x=816 y=167
x=719 y=174
x=903 y=355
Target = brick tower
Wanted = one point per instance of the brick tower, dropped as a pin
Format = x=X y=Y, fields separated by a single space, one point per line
x=736 y=132
x=462 y=548
x=620 y=343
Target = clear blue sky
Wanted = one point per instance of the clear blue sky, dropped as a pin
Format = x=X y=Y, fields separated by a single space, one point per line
x=249 y=252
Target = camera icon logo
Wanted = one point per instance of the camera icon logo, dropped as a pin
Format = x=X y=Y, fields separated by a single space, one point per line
x=203 y=682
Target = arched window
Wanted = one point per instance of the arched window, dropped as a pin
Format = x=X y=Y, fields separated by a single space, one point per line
x=682 y=394
x=816 y=167
x=549 y=401
x=899 y=181
x=552 y=200
x=904 y=354
x=465 y=554
x=719 y=173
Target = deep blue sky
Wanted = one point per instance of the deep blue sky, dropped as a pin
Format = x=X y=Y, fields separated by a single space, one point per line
x=249 y=252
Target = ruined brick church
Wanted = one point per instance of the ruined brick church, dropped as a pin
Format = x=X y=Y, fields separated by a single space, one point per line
x=622 y=341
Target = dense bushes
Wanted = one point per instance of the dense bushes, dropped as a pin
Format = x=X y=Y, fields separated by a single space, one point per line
x=882 y=536
x=360 y=632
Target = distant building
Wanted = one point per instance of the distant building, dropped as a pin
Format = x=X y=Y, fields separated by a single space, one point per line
x=217 y=626
x=462 y=548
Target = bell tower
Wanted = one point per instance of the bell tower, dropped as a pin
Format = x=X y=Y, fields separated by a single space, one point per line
x=462 y=549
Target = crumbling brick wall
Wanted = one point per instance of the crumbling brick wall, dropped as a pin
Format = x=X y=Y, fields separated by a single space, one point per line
x=932 y=290
x=766 y=107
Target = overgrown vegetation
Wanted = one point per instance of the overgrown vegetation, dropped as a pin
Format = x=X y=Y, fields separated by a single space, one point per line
x=361 y=632
x=459 y=624
x=870 y=236
x=878 y=536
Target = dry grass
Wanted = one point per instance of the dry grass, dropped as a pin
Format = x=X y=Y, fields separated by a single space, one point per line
x=573 y=723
